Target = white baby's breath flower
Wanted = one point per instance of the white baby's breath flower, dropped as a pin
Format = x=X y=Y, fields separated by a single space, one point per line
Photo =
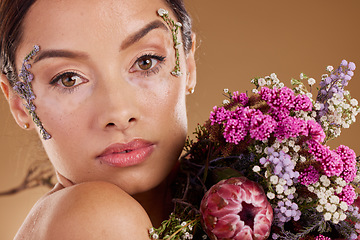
x=329 y=68
x=323 y=118
x=328 y=206
x=255 y=91
x=309 y=95
x=178 y=24
x=162 y=12
x=256 y=168
x=338 y=190
x=285 y=149
x=273 y=76
x=279 y=189
x=327 y=216
x=282 y=181
x=226 y=101
x=268 y=82
x=311 y=81
x=274 y=179
x=323 y=201
x=226 y=90
x=178 y=45
x=354 y=102
x=296 y=148
x=291 y=143
x=344 y=206
x=270 y=195
x=302 y=159
x=320 y=208
x=331 y=108
x=261 y=82
x=280 y=196
x=342 y=216
x=311 y=188
x=317 y=106
x=281 y=85
x=301 y=76
x=287 y=192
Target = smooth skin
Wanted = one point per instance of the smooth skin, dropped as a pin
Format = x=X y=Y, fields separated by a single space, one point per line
x=106 y=97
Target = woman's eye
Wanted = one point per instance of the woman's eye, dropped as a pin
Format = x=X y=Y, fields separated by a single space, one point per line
x=68 y=80
x=147 y=64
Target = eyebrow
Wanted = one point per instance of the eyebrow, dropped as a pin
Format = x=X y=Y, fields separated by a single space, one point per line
x=142 y=33
x=60 y=54
x=54 y=53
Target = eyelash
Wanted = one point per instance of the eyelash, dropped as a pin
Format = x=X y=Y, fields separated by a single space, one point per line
x=155 y=69
x=70 y=74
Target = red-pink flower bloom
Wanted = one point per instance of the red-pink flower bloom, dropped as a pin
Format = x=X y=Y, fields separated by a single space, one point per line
x=238 y=209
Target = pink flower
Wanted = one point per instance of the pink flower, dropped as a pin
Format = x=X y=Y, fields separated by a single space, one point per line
x=261 y=126
x=236 y=208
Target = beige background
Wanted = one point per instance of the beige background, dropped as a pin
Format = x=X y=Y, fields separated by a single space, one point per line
x=238 y=40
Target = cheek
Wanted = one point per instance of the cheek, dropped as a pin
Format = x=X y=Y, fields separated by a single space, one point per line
x=167 y=103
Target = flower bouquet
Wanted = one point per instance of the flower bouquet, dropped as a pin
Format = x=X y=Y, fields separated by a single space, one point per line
x=260 y=168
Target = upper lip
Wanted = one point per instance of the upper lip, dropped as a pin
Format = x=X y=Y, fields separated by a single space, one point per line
x=125 y=147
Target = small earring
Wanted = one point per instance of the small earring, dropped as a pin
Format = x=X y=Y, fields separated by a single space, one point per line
x=26 y=126
x=191 y=90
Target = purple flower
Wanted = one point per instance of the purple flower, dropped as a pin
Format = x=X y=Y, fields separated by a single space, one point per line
x=219 y=115
x=347 y=195
x=261 y=126
x=315 y=131
x=237 y=127
x=347 y=155
x=302 y=102
x=322 y=237
x=309 y=176
x=290 y=127
x=331 y=163
x=240 y=98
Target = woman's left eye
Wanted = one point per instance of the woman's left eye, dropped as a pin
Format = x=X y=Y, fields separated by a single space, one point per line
x=147 y=64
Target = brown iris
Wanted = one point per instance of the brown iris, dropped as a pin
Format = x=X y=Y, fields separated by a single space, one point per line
x=145 y=63
x=68 y=81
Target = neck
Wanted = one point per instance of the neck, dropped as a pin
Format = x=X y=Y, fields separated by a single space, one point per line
x=156 y=202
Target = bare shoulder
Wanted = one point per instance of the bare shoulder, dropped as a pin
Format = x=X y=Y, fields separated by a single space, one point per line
x=93 y=210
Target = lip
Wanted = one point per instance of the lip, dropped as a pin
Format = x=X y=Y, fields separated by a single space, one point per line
x=128 y=154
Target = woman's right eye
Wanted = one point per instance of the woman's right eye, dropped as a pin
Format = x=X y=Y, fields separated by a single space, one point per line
x=68 y=80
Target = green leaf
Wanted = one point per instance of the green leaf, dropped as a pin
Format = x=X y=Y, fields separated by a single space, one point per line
x=224 y=173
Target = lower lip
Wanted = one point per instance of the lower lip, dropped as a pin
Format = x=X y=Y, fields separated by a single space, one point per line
x=132 y=158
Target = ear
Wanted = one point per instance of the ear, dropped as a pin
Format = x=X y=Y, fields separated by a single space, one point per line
x=191 y=66
x=16 y=103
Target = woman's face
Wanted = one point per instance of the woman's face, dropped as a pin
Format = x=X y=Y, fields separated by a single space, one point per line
x=104 y=90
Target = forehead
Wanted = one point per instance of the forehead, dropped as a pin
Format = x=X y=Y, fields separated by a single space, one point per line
x=70 y=23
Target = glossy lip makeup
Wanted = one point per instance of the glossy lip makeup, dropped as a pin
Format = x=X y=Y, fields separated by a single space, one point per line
x=128 y=154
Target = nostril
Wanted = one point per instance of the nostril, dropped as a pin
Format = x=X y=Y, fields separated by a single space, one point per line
x=131 y=120
x=110 y=124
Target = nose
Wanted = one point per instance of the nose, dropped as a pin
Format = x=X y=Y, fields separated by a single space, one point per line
x=117 y=106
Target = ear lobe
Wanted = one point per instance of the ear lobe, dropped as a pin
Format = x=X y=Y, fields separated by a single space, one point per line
x=16 y=103
x=191 y=65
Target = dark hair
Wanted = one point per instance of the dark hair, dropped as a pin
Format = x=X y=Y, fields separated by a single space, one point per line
x=12 y=14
